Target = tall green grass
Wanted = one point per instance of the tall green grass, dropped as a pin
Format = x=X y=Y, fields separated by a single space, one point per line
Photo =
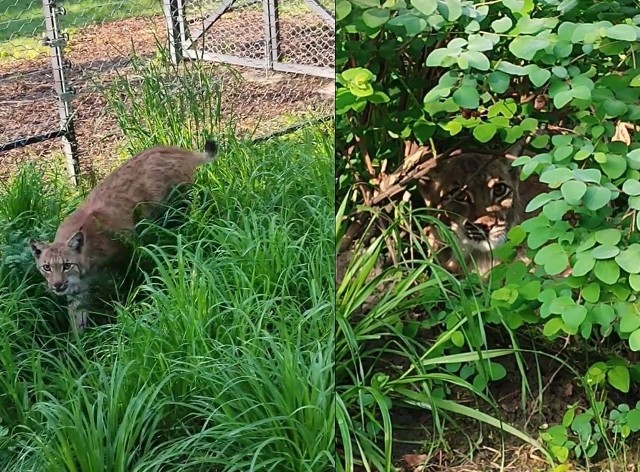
x=409 y=335
x=219 y=359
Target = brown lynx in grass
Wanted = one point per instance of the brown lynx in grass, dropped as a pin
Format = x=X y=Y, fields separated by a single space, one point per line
x=89 y=241
x=482 y=198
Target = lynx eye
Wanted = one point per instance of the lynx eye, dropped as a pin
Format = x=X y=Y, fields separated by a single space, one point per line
x=459 y=195
x=46 y=267
x=66 y=266
x=500 y=190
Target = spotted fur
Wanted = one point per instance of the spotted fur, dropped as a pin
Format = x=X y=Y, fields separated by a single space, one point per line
x=90 y=240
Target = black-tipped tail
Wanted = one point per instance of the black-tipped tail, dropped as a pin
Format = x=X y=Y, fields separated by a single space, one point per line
x=210 y=149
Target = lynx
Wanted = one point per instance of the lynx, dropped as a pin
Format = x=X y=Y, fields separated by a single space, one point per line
x=89 y=241
x=481 y=198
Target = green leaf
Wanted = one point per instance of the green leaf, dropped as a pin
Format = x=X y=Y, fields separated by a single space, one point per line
x=496 y=371
x=631 y=187
x=484 y=132
x=450 y=9
x=587 y=175
x=435 y=57
x=607 y=271
x=553 y=258
x=556 y=177
x=609 y=236
x=343 y=8
x=477 y=60
x=583 y=265
x=629 y=259
x=634 y=283
x=539 y=77
x=374 y=18
x=619 y=378
x=596 y=197
x=605 y=252
x=629 y=320
x=635 y=82
x=426 y=7
x=457 y=338
x=574 y=315
x=615 y=107
x=555 y=210
x=516 y=6
x=552 y=326
x=633 y=158
x=615 y=166
x=530 y=290
x=502 y=25
x=479 y=42
x=573 y=190
x=467 y=96
x=562 y=98
x=411 y=22
x=525 y=47
x=634 y=340
x=563 y=152
x=581 y=92
x=559 y=72
x=540 y=200
x=358 y=73
x=591 y=293
x=498 y=81
x=562 y=49
x=511 y=69
x=633 y=419
x=622 y=32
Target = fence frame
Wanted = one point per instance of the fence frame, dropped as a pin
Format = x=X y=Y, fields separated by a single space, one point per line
x=181 y=40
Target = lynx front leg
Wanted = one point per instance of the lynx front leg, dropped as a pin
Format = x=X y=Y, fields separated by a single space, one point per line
x=77 y=306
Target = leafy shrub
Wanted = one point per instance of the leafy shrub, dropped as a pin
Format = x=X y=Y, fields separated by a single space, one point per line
x=456 y=74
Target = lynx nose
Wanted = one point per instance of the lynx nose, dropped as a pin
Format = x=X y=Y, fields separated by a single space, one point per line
x=60 y=286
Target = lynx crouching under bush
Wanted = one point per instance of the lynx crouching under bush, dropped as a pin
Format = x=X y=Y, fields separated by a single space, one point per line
x=89 y=241
x=481 y=198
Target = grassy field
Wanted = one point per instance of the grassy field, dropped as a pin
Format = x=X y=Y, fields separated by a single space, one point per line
x=22 y=21
x=219 y=355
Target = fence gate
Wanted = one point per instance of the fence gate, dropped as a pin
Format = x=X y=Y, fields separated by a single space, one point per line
x=297 y=36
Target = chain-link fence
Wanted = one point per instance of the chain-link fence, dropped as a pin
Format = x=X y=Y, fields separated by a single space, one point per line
x=284 y=43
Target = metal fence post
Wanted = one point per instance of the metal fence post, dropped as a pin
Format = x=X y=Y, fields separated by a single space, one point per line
x=56 y=42
x=174 y=15
x=272 y=30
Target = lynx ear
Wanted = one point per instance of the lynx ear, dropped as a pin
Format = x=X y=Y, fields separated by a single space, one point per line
x=36 y=248
x=76 y=242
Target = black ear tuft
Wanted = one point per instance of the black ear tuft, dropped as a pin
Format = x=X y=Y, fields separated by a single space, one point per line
x=76 y=242
x=210 y=148
x=36 y=248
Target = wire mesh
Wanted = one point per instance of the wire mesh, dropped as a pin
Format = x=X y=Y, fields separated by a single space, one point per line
x=105 y=36
x=28 y=105
x=241 y=32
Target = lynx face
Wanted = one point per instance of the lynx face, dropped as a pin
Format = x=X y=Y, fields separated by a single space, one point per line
x=61 y=264
x=479 y=199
